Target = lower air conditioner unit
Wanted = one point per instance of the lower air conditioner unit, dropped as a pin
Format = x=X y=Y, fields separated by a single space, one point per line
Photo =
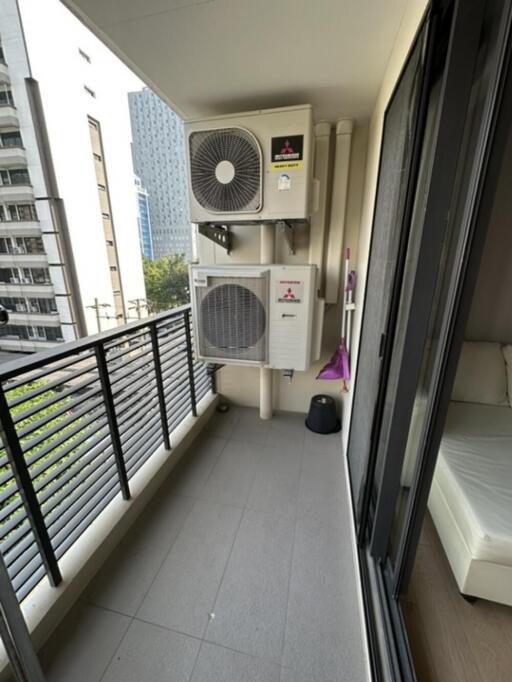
x=262 y=315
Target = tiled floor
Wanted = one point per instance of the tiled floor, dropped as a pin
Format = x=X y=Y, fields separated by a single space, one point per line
x=241 y=570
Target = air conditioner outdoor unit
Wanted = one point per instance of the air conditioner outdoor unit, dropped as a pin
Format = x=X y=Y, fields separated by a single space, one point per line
x=262 y=315
x=254 y=166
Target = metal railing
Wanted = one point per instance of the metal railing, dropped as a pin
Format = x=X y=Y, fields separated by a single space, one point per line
x=77 y=422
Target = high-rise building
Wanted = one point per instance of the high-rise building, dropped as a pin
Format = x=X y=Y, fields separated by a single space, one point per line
x=70 y=260
x=159 y=161
x=146 y=241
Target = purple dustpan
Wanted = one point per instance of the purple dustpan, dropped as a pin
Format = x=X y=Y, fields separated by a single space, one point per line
x=337 y=367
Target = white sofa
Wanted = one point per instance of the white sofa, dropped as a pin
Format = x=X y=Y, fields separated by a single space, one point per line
x=471 y=495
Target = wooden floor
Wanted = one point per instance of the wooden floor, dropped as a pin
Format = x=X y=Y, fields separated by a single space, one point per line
x=452 y=640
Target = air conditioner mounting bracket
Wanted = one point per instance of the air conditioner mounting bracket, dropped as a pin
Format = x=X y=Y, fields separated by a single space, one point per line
x=219 y=234
x=289 y=234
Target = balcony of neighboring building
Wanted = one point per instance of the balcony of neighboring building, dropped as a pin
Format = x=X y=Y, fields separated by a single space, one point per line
x=12 y=154
x=16 y=192
x=184 y=543
x=4 y=73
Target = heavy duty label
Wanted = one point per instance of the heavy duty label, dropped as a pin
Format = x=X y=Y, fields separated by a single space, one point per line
x=287 y=152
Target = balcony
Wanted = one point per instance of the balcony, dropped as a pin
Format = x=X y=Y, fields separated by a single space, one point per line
x=4 y=73
x=17 y=193
x=234 y=563
x=8 y=116
x=12 y=156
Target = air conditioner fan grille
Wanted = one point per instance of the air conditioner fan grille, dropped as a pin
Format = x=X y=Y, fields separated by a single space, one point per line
x=239 y=189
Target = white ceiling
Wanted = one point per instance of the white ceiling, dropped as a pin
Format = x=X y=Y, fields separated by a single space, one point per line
x=210 y=57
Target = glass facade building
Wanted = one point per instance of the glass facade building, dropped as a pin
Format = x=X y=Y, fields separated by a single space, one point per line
x=146 y=240
x=159 y=161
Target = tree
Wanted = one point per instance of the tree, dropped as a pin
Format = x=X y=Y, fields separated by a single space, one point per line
x=166 y=281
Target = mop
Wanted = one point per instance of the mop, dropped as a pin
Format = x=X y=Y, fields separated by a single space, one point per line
x=338 y=366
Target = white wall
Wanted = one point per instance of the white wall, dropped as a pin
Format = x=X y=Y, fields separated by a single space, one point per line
x=53 y=37
x=491 y=310
x=410 y=23
x=241 y=384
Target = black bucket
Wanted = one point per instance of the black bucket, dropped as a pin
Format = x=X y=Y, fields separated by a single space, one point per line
x=322 y=416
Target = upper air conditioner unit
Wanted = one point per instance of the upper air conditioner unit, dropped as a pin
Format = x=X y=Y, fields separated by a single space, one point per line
x=255 y=315
x=255 y=166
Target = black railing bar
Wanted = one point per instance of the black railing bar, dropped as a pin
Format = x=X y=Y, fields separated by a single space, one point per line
x=70 y=498
x=136 y=404
x=112 y=421
x=27 y=587
x=87 y=460
x=25 y=564
x=14 y=367
x=138 y=409
x=25 y=572
x=141 y=437
x=7 y=493
x=53 y=383
x=68 y=407
x=201 y=383
x=167 y=334
x=35 y=375
x=75 y=532
x=62 y=460
x=171 y=323
x=160 y=388
x=177 y=378
x=176 y=398
x=151 y=445
x=175 y=374
x=177 y=370
x=48 y=402
x=116 y=359
x=178 y=411
x=4 y=478
x=138 y=438
x=130 y=367
x=140 y=396
x=127 y=382
x=71 y=429
x=10 y=521
x=137 y=463
x=73 y=479
x=105 y=495
x=21 y=552
x=172 y=340
x=4 y=460
x=190 y=359
x=176 y=351
x=126 y=339
x=180 y=416
x=81 y=501
x=19 y=531
x=26 y=489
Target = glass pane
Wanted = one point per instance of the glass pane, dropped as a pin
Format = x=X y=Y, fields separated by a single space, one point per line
x=395 y=166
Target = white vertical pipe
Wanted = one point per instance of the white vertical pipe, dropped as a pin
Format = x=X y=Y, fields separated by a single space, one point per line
x=318 y=222
x=334 y=261
x=267 y=249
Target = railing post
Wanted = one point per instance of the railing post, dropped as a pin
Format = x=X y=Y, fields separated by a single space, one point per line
x=15 y=635
x=25 y=485
x=190 y=361
x=160 y=385
x=108 y=396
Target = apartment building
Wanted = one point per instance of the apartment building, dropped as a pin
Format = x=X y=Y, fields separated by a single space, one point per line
x=69 y=253
x=159 y=160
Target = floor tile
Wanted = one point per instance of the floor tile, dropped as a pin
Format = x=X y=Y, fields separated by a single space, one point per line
x=320 y=442
x=192 y=472
x=324 y=635
x=221 y=424
x=250 y=428
x=184 y=589
x=127 y=575
x=276 y=483
x=322 y=496
x=287 y=431
x=250 y=611
x=83 y=644
x=216 y=664
x=153 y=654
x=232 y=476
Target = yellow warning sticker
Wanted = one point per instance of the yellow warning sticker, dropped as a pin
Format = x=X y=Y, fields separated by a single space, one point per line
x=287 y=165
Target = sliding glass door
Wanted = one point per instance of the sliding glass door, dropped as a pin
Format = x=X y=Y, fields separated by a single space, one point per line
x=423 y=263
